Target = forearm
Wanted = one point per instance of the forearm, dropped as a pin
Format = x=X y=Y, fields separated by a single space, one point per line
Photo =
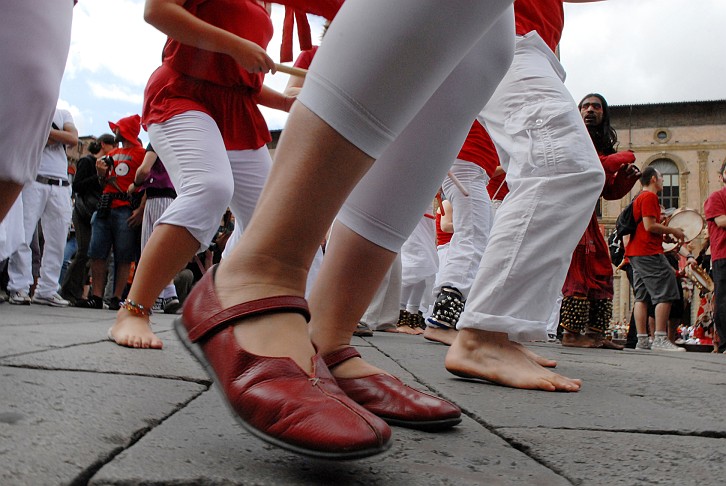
x=171 y=18
x=63 y=136
x=274 y=99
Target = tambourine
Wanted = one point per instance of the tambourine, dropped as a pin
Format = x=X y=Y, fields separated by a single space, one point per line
x=689 y=220
x=699 y=277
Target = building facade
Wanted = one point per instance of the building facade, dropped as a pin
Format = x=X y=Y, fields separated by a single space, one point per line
x=686 y=142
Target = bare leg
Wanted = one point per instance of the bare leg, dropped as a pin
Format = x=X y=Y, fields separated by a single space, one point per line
x=157 y=266
x=492 y=356
x=98 y=276
x=641 y=317
x=276 y=259
x=121 y=278
x=9 y=192
x=340 y=297
x=662 y=311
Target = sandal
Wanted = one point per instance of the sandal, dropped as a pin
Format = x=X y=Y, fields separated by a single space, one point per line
x=272 y=397
x=394 y=401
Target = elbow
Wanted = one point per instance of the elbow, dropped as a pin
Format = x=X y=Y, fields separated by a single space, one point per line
x=151 y=13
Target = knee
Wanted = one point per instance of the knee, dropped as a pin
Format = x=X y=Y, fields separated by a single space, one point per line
x=213 y=192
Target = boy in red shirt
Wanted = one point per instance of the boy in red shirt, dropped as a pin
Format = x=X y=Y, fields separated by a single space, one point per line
x=715 y=211
x=652 y=275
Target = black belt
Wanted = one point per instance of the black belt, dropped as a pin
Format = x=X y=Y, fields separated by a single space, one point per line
x=51 y=181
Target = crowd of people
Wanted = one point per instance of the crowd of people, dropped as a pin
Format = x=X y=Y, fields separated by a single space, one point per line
x=366 y=150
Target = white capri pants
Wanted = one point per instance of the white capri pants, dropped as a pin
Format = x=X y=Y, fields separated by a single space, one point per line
x=34 y=39
x=555 y=179
x=207 y=177
x=472 y=219
x=444 y=66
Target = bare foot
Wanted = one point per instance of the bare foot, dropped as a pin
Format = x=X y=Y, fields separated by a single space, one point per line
x=540 y=360
x=573 y=340
x=133 y=332
x=405 y=330
x=440 y=335
x=492 y=356
x=355 y=368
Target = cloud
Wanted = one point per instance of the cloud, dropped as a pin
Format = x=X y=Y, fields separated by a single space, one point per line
x=128 y=94
x=648 y=51
x=111 y=36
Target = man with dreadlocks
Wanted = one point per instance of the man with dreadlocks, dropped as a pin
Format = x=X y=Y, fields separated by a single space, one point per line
x=587 y=306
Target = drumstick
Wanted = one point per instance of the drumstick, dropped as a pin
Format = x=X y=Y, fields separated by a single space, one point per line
x=293 y=71
x=457 y=183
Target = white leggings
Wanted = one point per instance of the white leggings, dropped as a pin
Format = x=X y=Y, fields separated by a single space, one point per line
x=34 y=39
x=207 y=177
x=444 y=66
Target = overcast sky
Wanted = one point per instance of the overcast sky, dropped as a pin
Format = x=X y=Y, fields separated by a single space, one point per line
x=631 y=51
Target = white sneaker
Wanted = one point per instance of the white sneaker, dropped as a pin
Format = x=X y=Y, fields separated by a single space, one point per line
x=20 y=297
x=53 y=300
x=643 y=344
x=663 y=344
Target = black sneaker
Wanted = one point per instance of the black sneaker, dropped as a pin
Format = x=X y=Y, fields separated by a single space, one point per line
x=171 y=305
x=93 y=302
x=447 y=309
x=114 y=303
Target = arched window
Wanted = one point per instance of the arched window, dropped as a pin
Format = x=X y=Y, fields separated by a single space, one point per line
x=670 y=196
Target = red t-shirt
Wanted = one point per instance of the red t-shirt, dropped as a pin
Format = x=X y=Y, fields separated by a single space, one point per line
x=213 y=83
x=547 y=17
x=125 y=163
x=643 y=242
x=479 y=149
x=715 y=206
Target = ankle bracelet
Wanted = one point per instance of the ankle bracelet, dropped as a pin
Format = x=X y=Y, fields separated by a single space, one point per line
x=135 y=308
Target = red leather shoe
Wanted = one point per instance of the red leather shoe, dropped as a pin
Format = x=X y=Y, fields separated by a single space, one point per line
x=272 y=397
x=394 y=401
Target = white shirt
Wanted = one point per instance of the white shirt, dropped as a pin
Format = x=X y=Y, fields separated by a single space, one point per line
x=53 y=161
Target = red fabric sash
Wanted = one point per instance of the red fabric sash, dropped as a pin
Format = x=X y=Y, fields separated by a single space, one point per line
x=295 y=11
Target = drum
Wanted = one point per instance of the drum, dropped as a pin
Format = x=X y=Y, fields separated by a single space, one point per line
x=699 y=277
x=689 y=220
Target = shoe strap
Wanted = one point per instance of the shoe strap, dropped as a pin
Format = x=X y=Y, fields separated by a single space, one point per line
x=336 y=357
x=221 y=318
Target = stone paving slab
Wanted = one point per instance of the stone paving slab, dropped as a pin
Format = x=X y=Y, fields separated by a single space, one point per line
x=75 y=408
x=628 y=396
x=594 y=457
x=58 y=427
x=203 y=445
x=106 y=357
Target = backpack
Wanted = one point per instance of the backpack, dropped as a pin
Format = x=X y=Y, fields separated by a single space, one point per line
x=624 y=225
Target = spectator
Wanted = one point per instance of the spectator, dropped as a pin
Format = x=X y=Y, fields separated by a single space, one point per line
x=87 y=189
x=111 y=221
x=48 y=200
x=158 y=192
x=653 y=276
x=715 y=210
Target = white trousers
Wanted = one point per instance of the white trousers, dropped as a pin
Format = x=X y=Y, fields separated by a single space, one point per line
x=555 y=179
x=153 y=210
x=51 y=205
x=439 y=72
x=383 y=311
x=34 y=39
x=472 y=219
x=419 y=263
x=207 y=177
